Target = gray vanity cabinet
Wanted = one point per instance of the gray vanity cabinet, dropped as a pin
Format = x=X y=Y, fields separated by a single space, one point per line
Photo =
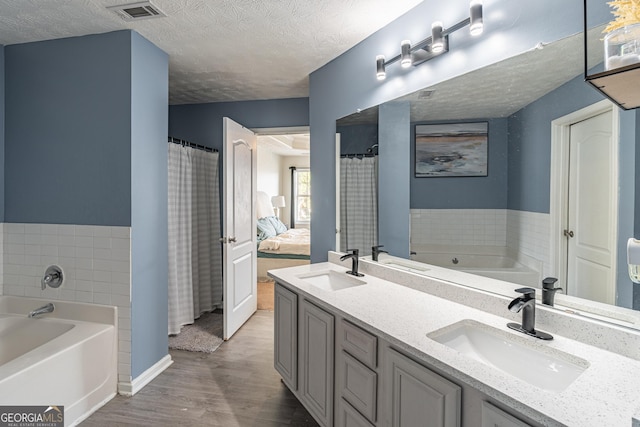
x=356 y=376
x=316 y=336
x=348 y=376
x=285 y=353
x=417 y=396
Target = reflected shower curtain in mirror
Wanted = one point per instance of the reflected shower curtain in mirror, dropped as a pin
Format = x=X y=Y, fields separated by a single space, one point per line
x=195 y=254
x=358 y=203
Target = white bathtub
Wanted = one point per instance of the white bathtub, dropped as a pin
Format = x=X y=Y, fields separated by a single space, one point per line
x=484 y=261
x=66 y=358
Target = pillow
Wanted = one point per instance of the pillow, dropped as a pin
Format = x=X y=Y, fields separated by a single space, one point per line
x=265 y=229
x=277 y=224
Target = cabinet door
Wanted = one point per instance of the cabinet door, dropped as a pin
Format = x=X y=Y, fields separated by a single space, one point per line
x=495 y=417
x=285 y=349
x=416 y=396
x=316 y=360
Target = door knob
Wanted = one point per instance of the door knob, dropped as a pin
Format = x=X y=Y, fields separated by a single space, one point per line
x=568 y=233
x=232 y=239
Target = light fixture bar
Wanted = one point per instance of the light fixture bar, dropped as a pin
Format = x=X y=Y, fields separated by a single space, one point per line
x=434 y=45
x=426 y=42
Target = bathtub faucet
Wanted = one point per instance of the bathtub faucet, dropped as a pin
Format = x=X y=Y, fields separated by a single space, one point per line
x=52 y=277
x=44 y=309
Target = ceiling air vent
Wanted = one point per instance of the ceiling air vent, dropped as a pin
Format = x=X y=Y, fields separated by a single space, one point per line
x=425 y=94
x=137 y=11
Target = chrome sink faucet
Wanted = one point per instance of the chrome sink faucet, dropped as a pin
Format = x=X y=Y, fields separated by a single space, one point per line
x=44 y=309
x=354 y=261
x=527 y=304
x=375 y=251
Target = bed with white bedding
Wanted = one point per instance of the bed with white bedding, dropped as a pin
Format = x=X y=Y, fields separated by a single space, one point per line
x=278 y=246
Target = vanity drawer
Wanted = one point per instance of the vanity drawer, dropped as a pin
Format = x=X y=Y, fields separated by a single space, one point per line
x=359 y=386
x=349 y=417
x=360 y=344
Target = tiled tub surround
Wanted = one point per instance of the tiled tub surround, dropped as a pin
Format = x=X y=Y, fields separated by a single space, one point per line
x=96 y=264
x=525 y=234
x=605 y=394
x=478 y=227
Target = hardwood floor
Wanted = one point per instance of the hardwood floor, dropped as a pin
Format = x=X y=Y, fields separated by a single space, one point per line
x=235 y=386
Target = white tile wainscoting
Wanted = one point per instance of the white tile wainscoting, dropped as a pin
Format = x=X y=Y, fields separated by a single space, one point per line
x=523 y=233
x=467 y=227
x=96 y=264
x=529 y=234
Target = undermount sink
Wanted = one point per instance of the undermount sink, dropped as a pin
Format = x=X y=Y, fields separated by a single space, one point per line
x=330 y=280
x=544 y=367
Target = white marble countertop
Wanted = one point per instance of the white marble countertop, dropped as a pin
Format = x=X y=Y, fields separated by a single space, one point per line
x=605 y=394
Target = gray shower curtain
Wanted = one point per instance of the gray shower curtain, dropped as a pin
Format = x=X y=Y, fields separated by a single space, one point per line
x=358 y=203
x=195 y=254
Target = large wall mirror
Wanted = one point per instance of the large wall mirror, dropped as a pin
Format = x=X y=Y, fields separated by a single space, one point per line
x=558 y=196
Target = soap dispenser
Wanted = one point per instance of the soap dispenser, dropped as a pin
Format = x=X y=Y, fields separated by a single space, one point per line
x=548 y=291
x=633 y=259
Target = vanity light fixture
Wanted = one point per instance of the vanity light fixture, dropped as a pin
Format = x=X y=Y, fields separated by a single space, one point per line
x=435 y=45
x=476 y=25
x=405 y=54
x=381 y=73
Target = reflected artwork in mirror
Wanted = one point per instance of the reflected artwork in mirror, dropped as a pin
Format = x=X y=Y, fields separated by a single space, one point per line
x=558 y=197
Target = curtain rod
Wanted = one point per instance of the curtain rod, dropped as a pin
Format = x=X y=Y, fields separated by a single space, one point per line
x=192 y=145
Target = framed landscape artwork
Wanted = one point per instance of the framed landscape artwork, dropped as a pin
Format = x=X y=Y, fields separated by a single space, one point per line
x=453 y=149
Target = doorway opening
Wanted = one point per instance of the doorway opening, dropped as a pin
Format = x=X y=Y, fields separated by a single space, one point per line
x=284 y=201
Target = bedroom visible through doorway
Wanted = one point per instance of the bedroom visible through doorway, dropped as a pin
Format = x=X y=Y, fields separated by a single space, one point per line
x=283 y=205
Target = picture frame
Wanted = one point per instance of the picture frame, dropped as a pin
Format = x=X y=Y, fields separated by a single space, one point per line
x=451 y=150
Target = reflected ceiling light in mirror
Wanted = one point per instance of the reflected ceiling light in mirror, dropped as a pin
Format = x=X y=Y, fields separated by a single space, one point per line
x=476 y=25
x=381 y=73
x=435 y=45
x=405 y=54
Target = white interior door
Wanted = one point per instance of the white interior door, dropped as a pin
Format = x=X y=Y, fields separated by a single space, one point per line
x=592 y=210
x=239 y=226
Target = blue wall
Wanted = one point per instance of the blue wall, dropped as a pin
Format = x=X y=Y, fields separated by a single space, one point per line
x=355 y=139
x=149 y=253
x=393 y=205
x=1 y=133
x=530 y=143
x=349 y=83
x=488 y=192
x=202 y=123
x=67 y=131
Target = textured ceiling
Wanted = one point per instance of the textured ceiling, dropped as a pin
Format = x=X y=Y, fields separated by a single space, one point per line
x=501 y=89
x=219 y=50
